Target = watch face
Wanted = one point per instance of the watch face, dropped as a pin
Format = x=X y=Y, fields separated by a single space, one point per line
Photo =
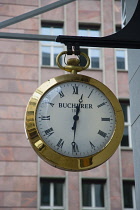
x=75 y=119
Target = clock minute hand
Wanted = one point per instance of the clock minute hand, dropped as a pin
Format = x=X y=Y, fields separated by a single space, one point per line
x=76 y=117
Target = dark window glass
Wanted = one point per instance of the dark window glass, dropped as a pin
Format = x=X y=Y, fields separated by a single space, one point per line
x=120 y=56
x=125 y=139
x=86 y=194
x=89 y=30
x=58 y=194
x=127 y=193
x=45 y=55
x=95 y=58
x=82 y=58
x=124 y=108
x=99 y=195
x=45 y=193
x=118 y=28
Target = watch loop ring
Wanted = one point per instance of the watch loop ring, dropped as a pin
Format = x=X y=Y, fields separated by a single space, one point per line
x=69 y=68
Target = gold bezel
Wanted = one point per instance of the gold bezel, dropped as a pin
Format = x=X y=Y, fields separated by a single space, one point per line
x=65 y=162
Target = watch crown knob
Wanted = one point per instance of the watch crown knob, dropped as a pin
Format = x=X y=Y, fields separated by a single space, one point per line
x=73 y=61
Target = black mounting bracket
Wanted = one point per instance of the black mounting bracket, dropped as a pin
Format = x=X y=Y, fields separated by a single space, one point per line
x=128 y=37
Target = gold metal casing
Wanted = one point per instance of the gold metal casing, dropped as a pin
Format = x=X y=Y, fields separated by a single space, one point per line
x=58 y=160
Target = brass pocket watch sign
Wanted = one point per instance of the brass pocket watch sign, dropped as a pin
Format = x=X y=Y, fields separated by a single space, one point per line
x=74 y=122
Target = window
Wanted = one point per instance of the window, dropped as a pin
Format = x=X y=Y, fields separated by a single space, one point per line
x=121 y=59
x=49 y=49
x=93 y=53
x=121 y=55
x=126 y=140
x=93 y=195
x=129 y=195
x=52 y=194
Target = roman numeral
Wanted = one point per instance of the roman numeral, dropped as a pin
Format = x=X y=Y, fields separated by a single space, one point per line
x=45 y=117
x=105 y=119
x=47 y=101
x=101 y=133
x=92 y=145
x=49 y=132
x=51 y=104
x=75 y=89
x=100 y=105
x=61 y=94
x=60 y=143
x=74 y=147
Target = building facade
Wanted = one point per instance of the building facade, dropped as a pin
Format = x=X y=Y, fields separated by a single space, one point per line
x=27 y=182
x=134 y=71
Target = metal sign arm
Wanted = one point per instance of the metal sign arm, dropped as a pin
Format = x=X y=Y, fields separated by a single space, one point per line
x=33 y=37
x=34 y=13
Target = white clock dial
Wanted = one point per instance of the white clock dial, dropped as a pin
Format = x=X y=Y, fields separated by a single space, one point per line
x=75 y=119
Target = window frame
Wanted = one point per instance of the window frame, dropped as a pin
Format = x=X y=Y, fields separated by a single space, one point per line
x=133 y=194
x=93 y=182
x=125 y=59
x=88 y=29
x=127 y=124
x=52 y=206
x=52 y=45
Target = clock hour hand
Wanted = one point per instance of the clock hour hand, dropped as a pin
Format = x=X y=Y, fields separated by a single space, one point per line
x=74 y=147
x=81 y=99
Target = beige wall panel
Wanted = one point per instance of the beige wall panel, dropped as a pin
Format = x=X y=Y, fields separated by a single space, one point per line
x=110 y=69
x=18 y=60
x=114 y=182
x=18 y=199
x=18 y=168
x=19 y=72
x=17 y=86
x=21 y=2
x=14 y=99
x=13 y=140
x=88 y=12
x=108 y=17
x=71 y=24
x=14 y=126
x=49 y=171
x=55 y=14
x=18 y=183
x=127 y=160
x=17 y=154
x=117 y=5
x=12 y=112
x=73 y=191
x=20 y=47
x=96 y=74
x=99 y=172
x=123 y=86
x=15 y=10
x=48 y=73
